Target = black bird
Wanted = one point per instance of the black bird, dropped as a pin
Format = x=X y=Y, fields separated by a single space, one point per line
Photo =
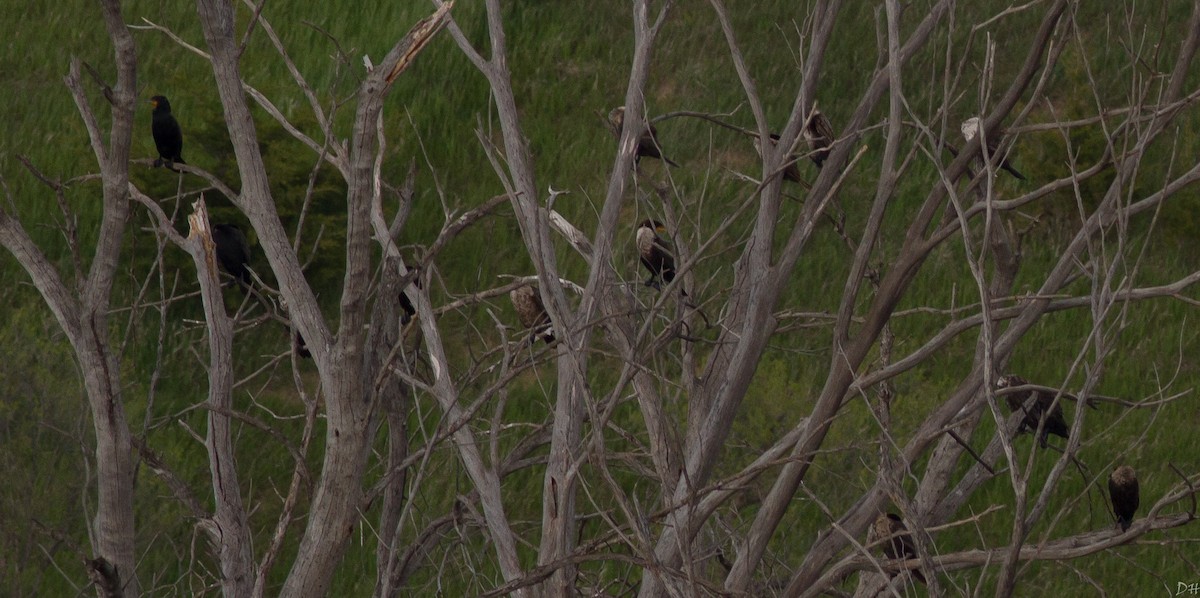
x=167 y=136
x=655 y=254
x=819 y=135
x=406 y=305
x=647 y=143
x=407 y=308
x=1123 y=490
x=532 y=313
x=791 y=172
x=899 y=544
x=970 y=128
x=1036 y=405
x=302 y=347
x=233 y=253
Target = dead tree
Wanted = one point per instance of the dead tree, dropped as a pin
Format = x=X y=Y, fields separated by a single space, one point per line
x=659 y=499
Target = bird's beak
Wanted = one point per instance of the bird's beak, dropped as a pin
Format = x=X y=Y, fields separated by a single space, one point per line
x=153 y=103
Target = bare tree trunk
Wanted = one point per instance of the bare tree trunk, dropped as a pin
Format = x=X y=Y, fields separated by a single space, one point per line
x=83 y=312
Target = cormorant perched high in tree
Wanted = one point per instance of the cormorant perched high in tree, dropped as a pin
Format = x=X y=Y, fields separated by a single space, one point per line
x=167 y=136
x=655 y=254
x=407 y=311
x=647 y=143
x=1123 y=490
x=532 y=313
x=301 y=346
x=819 y=135
x=233 y=253
x=900 y=544
x=1036 y=405
x=970 y=128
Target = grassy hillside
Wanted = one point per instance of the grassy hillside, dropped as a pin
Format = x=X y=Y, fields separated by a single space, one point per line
x=570 y=61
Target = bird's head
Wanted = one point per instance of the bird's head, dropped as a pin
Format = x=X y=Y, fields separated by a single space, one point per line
x=1009 y=381
x=654 y=225
x=160 y=103
x=970 y=128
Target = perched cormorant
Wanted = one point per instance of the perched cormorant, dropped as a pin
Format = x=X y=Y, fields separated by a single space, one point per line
x=233 y=253
x=1041 y=406
x=819 y=135
x=532 y=313
x=900 y=544
x=647 y=143
x=407 y=311
x=302 y=347
x=1123 y=490
x=167 y=136
x=970 y=128
x=655 y=253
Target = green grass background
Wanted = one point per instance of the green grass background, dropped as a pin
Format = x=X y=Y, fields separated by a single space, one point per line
x=569 y=60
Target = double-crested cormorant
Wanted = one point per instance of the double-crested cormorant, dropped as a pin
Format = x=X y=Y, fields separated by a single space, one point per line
x=301 y=346
x=647 y=143
x=819 y=135
x=655 y=253
x=970 y=128
x=1036 y=405
x=899 y=544
x=532 y=313
x=233 y=253
x=407 y=311
x=167 y=136
x=1123 y=490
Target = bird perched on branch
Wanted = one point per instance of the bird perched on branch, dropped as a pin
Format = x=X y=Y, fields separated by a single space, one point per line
x=168 y=138
x=819 y=135
x=1123 y=490
x=655 y=254
x=301 y=346
x=1037 y=406
x=647 y=143
x=970 y=128
x=407 y=310
x=532 y=313
x=233 y=253
x=899 y=543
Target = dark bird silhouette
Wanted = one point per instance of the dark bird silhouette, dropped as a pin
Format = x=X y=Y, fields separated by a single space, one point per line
x=167 y=136
x=647 y=143
x=233 y=253
x=532 y=313
x=407 y=311
x=1123 y=490
x=970 y=128
x=105 y=576
x=655 y=254
x=900 y=544
x=791 y=172
x=1037 y=406
x=302 y=347
x=819 y=135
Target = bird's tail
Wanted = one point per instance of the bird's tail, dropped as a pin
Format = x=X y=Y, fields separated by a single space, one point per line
x=1013 y=171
